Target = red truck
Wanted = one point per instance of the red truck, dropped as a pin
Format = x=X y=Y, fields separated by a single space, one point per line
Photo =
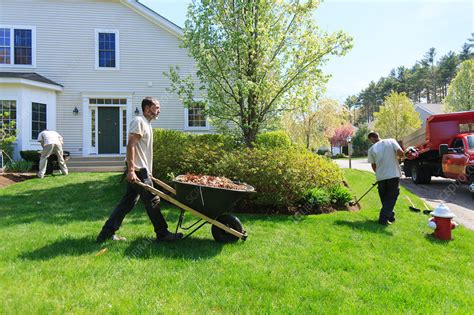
x=445 y=147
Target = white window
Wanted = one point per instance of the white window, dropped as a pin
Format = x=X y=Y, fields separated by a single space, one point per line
x=38 y=119
x=107 y=54
x=8 y=116
x=195 y=118
x=17 y=46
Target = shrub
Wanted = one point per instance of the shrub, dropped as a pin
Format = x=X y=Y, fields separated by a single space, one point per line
x=360 y=143
x=31 y=155
x=323 y=152
x=280 y=176
x=338 y=156
x=315 y=198
x=340 y=195
x=176 y=152
x=273 y=139
x=21 y=166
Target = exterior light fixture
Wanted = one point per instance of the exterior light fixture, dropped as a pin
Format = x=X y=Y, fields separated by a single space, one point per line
x=137 y=111
x=75 y=111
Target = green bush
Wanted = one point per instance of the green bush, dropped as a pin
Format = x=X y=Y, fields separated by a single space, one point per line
x=323 y=152
x=338 y=156
x=280 y=176
x=31 y=155
x=177 y=153
x=20 y=166
x=360 y=143
x=273 y=139
x=340 y=195
x=315 y=198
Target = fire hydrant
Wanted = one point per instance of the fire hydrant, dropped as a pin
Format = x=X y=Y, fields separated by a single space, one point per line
x=441 y=222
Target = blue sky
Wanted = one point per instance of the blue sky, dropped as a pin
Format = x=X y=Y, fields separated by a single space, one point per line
x=386 y=33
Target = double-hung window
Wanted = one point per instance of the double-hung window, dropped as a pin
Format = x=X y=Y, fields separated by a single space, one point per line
x=8 y=116
x=17 y=46
x=38 y=119
x=195 y=117
x=107 y=49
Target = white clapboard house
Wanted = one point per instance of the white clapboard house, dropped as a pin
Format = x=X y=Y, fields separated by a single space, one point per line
x=82 y=67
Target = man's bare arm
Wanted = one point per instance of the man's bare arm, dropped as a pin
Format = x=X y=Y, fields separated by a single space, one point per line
x=374 y=166
x=401 y=154
x=133 y=139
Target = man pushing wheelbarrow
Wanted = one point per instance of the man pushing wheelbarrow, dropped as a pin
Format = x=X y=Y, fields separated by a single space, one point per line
x=139 y=167
x=209 y=204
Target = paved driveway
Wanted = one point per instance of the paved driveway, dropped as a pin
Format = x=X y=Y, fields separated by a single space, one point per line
x=456 y=197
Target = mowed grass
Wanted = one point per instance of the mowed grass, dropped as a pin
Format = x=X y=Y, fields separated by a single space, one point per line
x=337 y=263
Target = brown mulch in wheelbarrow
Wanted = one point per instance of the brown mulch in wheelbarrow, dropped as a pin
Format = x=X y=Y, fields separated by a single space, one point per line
x=211 y=181
x=7 y=179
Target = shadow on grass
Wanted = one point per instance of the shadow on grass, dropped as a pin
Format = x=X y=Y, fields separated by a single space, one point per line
x=430 y=237
x=141 y=248
x=189 y=249
x=70 y=202
x=367 y=225
x=64 y=247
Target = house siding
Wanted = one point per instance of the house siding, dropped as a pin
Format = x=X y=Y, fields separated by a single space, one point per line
x=65 y=53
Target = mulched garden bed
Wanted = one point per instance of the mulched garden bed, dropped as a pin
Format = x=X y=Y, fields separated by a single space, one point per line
x=7 y=179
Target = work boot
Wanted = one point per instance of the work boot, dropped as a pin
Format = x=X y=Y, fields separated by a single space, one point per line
x=102 y=237
x=167 y=236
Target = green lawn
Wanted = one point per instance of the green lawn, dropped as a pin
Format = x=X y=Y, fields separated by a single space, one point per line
x=341 y=262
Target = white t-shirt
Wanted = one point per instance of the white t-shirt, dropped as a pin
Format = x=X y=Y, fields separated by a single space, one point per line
x=384 y=155
x=144 y=149
x=50 y=137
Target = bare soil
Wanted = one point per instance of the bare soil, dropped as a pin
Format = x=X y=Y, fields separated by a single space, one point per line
x=7 y=179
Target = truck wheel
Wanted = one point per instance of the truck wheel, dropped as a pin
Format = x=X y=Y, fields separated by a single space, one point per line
x=426 y=176
x=230 y=221
x=417 y=174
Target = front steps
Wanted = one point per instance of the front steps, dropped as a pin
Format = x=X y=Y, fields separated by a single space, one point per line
x=96 y=164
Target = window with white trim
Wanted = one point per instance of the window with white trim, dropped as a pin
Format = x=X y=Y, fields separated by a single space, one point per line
x=8 y=116
x=196 y=117
x=107 y=49
x=17 y=46
x=38 y=119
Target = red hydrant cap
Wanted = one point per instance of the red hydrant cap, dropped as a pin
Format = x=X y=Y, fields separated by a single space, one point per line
x=442 y=211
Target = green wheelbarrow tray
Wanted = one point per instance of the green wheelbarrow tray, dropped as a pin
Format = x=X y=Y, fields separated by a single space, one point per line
x=209 y=204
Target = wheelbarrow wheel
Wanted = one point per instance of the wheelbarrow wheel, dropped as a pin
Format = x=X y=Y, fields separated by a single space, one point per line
x=230 y=221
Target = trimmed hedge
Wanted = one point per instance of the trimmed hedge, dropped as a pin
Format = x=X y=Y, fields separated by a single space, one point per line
x=281 y=173
x=177 y=153
x=273 y=139
x=281 y=176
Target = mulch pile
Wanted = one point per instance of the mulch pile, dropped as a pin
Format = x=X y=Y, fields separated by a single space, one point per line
x=7 y=179
x=210 y=181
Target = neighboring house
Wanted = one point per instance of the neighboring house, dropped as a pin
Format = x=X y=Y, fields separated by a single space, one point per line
x=425 y=110
x=82 y=68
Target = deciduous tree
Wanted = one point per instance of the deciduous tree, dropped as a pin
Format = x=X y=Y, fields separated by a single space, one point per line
x=252 y=56
x=397 y=117
x=461 y=90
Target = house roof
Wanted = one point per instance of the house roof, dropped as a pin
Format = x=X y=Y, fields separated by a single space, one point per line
x=429 y=109
x=28 y=76
x=154 y=17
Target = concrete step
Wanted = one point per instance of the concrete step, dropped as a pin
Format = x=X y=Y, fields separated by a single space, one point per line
x=95 y=169
x=96 y=164
x=75 y=163
x=98 y=158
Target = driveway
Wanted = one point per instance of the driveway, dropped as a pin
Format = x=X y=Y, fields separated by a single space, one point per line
x=456 y=197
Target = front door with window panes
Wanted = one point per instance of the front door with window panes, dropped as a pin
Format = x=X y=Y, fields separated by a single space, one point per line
x=108 y=123
x=109 y=130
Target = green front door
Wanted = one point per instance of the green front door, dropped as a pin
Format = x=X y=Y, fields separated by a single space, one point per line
x=109 y=130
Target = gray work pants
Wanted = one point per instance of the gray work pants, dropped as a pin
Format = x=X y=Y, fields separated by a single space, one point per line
x=56 y=149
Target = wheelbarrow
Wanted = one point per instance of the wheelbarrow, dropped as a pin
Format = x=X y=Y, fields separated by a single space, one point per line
x=209 y=204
